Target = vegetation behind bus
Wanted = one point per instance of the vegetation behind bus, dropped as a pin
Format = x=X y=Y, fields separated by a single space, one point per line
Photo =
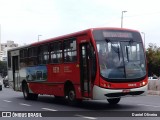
x=3 y=68
x=153 y=58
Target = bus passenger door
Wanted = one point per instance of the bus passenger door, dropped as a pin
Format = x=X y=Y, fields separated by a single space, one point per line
x=15 y=67
x=85 y=76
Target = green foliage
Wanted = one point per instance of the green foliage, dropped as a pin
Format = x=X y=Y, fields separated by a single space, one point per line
x=3 y=68
x=153 y=58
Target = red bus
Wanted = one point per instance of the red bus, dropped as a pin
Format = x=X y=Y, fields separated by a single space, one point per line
x=98 y=63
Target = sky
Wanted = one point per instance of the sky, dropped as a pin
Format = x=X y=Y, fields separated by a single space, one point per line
x=23 y=20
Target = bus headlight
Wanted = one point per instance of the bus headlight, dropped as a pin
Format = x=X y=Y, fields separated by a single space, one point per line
x=143 y=83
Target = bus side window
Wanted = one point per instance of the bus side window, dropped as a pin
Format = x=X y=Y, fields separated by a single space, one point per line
x=43 y=54
x=70 y=50
x=56 y=52
x=32 y=56
x=23 y=57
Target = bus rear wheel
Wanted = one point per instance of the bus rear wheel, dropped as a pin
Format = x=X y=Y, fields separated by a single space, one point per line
x=113 y=101
x=27 y=95
x=71 y=97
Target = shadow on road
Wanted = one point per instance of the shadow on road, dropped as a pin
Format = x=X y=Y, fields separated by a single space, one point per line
x=86 y=104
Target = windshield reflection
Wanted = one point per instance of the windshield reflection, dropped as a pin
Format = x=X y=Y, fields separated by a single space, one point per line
x=119 y=59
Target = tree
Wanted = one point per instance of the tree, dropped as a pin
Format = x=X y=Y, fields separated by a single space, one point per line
x=3 y=68
x=153 y=59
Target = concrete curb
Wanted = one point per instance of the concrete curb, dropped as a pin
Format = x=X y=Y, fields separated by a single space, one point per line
x=152 y=92
x=154 y=87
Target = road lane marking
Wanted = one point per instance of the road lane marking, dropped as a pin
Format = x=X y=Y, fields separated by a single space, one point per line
x=49 y=109
x=24 y=104
x=148 y=105
x=7 y=101
x=91 y=118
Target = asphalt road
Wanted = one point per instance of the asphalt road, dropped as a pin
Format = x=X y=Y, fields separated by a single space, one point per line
x=11 y=101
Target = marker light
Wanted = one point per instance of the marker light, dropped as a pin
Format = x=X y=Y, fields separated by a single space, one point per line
x=109 y=85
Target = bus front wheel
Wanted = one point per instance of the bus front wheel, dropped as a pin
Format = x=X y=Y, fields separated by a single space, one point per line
x=113 y=101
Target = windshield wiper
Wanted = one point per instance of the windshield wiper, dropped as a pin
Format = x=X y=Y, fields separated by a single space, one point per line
x=116 y=49
x=108 y=40
x=127 y=54
x=131 y=41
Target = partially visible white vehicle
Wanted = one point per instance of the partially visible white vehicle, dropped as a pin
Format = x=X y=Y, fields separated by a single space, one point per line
x=152 y=78
x=0 y=84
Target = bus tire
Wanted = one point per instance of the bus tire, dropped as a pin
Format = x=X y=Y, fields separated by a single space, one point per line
x=113 y=101
x=27 y=95
x=71 y=96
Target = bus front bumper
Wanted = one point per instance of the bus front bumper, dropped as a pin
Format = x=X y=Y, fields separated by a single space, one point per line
x=103 y=93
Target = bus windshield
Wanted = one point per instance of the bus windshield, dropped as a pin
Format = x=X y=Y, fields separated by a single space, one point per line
x=121 y=57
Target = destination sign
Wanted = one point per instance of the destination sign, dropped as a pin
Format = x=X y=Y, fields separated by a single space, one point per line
x=117 y=34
